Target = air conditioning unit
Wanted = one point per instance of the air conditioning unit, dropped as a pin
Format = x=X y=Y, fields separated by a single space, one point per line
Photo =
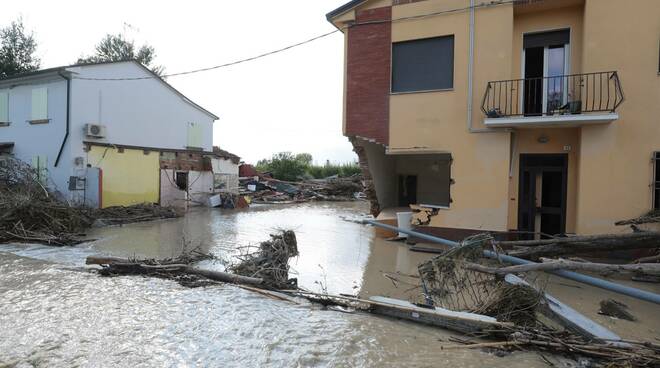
x=95 y=130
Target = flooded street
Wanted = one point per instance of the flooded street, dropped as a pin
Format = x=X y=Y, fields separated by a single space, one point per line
x=53 y=312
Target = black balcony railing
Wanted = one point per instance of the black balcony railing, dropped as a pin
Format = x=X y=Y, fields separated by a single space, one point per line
x=557 y=95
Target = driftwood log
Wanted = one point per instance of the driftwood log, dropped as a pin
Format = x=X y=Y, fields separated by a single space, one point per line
x=121 y=263
x=534 y=249
x=562 y=264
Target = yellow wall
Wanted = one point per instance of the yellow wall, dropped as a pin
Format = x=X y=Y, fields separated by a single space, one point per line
x=610 y=169
x=437 y=121
x=615 y=159
x=547 y=20
x=131 y=177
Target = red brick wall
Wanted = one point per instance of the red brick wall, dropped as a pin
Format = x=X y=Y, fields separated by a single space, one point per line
x=368 y=76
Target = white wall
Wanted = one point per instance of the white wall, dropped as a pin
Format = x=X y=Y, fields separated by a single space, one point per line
x=224 y=166
x=136 y=112
x=39 y=139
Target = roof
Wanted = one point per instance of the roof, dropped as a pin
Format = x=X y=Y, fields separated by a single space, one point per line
x=62 y=69
x=226 y=154
x=344 y=8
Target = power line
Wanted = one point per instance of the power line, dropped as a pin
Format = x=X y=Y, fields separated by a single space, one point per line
x=283 y=49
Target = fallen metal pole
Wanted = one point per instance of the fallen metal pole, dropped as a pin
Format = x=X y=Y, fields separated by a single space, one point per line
x=585 y=279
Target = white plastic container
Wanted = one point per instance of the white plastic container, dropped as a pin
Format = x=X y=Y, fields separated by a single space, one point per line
x=404 y=221
x=215 y=201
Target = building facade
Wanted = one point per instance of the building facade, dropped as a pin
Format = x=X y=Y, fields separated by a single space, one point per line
x=100 y=134
x=530 y=115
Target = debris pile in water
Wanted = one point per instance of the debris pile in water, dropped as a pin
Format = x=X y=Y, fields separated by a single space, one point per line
x=450 y=282
x=270 y=261
x=269 y=190
x=117 y=215
x=176 y=268
x=29 y=212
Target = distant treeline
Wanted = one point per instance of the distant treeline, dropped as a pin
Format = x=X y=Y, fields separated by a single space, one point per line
x=290 y=167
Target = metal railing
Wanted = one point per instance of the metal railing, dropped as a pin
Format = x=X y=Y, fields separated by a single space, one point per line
x=555 y=95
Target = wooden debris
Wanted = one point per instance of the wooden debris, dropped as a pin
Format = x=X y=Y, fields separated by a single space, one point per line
x=170 y=268
x=633 y=354
x=30 y=213
x=650 y=217
x=613 y=308
x=563 y=264
x=575 y=245
x=273 y=191
x=270 y=261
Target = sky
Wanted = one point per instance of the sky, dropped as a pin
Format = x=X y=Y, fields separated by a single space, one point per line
x=291 y=101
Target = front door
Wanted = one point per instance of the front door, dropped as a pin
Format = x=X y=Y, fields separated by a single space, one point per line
x=542 y=194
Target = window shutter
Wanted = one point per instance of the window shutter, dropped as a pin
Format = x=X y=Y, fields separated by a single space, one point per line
x=40 y=104
x=4 y=107
x=423 y=65
x=543 y=39
x=195 y=135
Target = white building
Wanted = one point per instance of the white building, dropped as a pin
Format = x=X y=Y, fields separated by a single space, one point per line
x=102 y=140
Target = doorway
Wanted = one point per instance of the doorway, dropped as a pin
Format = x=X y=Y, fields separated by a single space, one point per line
x=407 y=190
x=181 y=180
x=542 y=194
x=545 y=67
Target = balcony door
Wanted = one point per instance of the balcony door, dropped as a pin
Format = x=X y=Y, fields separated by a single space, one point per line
x=545 y=63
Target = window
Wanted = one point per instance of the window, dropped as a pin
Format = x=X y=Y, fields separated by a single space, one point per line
x=656 y=182
x=423 y=65
x=39 y=105
x=4 y=108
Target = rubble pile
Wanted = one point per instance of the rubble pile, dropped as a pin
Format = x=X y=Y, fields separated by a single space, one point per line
x=268 y=190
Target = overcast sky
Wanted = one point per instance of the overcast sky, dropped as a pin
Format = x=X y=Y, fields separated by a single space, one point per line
x=286 y=102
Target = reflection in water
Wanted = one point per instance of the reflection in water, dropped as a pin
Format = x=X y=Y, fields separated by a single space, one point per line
x=54 y=313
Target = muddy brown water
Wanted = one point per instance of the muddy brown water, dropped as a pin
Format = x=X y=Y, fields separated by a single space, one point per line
x=55 y=313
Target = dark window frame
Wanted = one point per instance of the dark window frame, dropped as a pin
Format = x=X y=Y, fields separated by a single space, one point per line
x=452 y=68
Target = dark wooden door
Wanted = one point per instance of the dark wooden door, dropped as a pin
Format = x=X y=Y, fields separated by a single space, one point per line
x=542 y=193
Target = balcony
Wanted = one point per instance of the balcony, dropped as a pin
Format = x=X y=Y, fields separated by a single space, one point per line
x=562 y=101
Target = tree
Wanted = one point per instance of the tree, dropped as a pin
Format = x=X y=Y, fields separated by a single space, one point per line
x=17 y=50
x=117 y=48
x=285 y=165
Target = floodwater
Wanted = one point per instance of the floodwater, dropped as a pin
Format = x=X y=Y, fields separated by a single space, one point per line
x=54 y=312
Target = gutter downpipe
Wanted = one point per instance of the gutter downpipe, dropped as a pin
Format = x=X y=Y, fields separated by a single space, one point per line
x=585 y=279
x=68 y=122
